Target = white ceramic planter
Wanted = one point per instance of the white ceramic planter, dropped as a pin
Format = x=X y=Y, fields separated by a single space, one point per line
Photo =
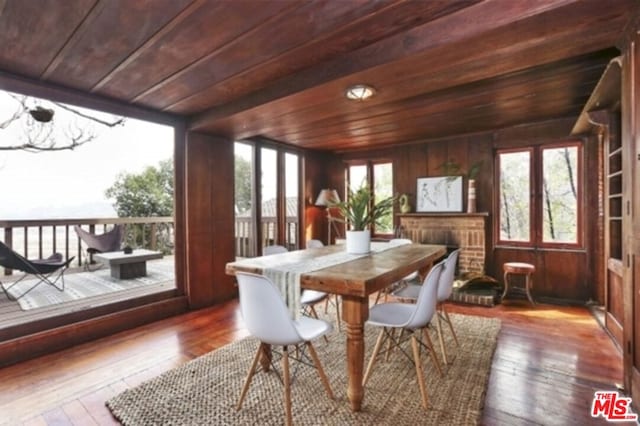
x=359 y=242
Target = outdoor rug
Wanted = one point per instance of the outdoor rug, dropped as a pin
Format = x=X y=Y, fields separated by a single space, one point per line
x=205 y=390
x=82 y=285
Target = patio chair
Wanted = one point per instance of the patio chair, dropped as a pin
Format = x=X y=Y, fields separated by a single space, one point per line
x=100 y=243
x=49 y=270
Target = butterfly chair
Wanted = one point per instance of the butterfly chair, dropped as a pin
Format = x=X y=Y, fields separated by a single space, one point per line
x=100 y=243
x=445 y=287
x=267 y=318
x=404 y=281
x=49 y=271
x=308 y=298
x=411 y=319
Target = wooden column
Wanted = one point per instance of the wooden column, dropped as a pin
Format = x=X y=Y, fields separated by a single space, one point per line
x=631 y=209
x=209 y=219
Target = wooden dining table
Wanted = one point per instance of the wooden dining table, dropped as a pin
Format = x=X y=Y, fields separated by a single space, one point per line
x=354 y=281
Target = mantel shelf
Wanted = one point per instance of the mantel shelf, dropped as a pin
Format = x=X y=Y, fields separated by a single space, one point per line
x=444 y=214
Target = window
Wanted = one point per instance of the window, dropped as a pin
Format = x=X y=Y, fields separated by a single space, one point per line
x=273 y=198
x=540 y=196
x=379 y=177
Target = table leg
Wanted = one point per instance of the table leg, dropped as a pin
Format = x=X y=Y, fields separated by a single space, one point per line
x=355 y=311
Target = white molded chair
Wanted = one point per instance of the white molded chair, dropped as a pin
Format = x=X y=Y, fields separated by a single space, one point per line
x=267 y=318
x=308 y=298
x=274 y=249
x=405 y=281
x=445 y=287
x=412 y=319
x=314 y=244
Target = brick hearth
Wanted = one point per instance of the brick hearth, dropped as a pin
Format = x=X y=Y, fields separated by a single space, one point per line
x=464 y=230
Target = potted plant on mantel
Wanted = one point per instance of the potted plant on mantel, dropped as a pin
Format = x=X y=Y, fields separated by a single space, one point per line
x=451 y=168
x=360 y=212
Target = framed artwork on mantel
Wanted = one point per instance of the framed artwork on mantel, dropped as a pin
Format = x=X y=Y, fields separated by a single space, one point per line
x=439 y=194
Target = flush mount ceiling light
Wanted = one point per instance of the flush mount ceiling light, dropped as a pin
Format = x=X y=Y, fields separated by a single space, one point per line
x=360 y=92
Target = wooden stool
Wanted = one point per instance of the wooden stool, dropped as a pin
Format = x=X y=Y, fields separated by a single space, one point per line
x=519 y=268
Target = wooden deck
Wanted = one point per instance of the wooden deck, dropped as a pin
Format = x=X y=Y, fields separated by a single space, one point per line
x=12 y=316
x=548 y=363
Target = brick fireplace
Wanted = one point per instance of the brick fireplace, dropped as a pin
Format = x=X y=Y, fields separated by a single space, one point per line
x=466 y=231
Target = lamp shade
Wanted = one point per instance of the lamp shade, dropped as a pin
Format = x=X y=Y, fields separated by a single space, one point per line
x=327 y=197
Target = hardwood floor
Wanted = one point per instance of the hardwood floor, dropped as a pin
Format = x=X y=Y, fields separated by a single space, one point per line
x=548 y=363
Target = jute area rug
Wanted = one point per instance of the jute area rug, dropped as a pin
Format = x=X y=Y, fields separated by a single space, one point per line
x=205 y=390
x=81 y=285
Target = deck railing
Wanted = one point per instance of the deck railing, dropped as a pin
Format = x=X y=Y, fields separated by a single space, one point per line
x=38 y=238
x=244 y=234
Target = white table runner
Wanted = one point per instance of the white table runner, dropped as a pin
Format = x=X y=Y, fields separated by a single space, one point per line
x=287 y=277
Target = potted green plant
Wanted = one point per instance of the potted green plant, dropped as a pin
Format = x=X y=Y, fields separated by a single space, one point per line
x=451 y=168
x=360 y=211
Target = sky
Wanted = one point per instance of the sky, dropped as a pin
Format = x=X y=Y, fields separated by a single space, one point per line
x=71 y=184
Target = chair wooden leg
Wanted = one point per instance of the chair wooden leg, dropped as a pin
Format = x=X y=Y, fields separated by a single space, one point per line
x=323 y=376
x=432 y=350
x=250 y=374
x=376 y=349
x=287 y=387
x=419 y=372
x=337 y=300
x=446 y=314
x=314 y=314
x=377 y=297
x=392 y=335
x=441 y=338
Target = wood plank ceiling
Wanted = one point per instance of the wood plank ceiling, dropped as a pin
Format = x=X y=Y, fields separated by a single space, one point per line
x=279 y=69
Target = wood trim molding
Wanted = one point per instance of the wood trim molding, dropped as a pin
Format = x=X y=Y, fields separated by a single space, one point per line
x=34 y=345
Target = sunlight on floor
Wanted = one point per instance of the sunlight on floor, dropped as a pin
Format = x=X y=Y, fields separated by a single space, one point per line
x=552 y=313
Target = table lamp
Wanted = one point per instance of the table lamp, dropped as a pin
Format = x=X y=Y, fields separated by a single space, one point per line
x=326 y=198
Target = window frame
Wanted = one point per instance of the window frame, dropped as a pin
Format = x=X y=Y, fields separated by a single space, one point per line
x=536 y=196
x=258 y=144
x=370 y=178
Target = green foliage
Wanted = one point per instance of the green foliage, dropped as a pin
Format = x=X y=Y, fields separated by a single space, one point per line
x=360 y=211
x=146 y=194
x=452 y=168
x=149 y=193
x=242 y=184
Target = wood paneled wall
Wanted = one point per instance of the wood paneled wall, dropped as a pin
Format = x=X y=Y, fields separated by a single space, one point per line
x=209 y=224
x=561 y=274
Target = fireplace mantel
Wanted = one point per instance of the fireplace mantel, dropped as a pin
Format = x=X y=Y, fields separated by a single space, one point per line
x=454 y=214
x=466 y=231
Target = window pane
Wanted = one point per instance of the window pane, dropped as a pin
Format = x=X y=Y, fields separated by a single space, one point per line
x=291 y=195
x=243 y=154
x=383 y=188
x=514 y=196
x=560 y=194
x=268 y=183
x=357 y=176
